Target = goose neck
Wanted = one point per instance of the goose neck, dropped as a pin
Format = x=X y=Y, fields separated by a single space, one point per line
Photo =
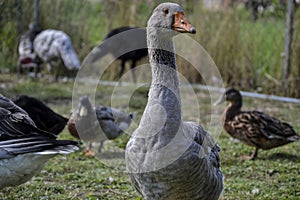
x=164 y=88
x=162 y=61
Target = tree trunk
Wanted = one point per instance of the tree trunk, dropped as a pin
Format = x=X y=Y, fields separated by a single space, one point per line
x=19 y=19
x=36 y=14
x=288 y=44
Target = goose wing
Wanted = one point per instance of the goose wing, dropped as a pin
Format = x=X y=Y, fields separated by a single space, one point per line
x=7 y=104
x=200 y=164
x=19 y=135
x=16 y=123
x=206 y=144
x=35 y=144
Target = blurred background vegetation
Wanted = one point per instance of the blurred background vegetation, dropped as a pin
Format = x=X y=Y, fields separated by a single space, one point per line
x=249 y=53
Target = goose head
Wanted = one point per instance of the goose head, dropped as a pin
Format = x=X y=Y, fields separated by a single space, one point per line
x=170 y=16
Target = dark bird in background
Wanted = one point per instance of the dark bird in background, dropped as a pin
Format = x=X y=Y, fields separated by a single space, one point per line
x=257 y=6
x=24 y=148
x=49 y=46
x=254 y=128
x=41 y=114
x=130 y=45
x=97 y=124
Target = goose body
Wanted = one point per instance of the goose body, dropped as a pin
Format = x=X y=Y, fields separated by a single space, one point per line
x=43 y=116
x=254 y=128
x=24 y=148
x=97 y=124
x=166 y=157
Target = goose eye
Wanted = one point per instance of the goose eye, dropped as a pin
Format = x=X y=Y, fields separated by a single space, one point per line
x=166 y=10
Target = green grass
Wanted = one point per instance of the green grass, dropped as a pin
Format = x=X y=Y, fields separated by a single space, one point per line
x=275 y=175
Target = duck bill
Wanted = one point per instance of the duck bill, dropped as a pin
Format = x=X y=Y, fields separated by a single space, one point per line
x=220 y=100
x=182 y=25
x=83 y=111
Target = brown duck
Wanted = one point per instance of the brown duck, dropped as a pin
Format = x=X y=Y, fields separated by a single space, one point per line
x=254 y=128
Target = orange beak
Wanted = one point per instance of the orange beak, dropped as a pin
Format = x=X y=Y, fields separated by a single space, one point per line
x=182 y=24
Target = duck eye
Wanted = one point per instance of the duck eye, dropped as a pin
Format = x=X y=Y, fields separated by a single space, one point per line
x=166 y=10
x=182 y=21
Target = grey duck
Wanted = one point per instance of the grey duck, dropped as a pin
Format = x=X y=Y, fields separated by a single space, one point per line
x=97 y=124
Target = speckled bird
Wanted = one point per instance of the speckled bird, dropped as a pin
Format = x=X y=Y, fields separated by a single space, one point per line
x=254 y=128
x=50 y=46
